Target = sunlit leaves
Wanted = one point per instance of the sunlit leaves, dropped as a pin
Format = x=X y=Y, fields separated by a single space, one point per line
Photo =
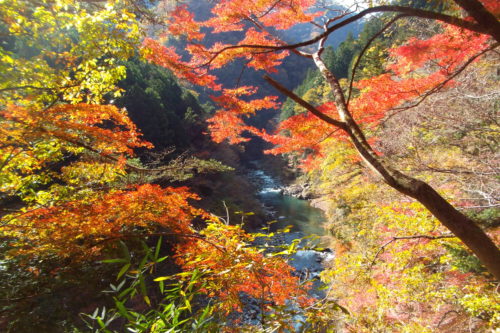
x=443 y=52
x=33 y=140
x=227 y=16
x=75 y=227
x=167 y=57
x=305 y=133
x=225 y=125
x=228 y=123
x=61 y=47
x=182 y=22
x=417 y=68
x=61 y=58
x=233 y=15
x=232 y=266
x=232 y=100
x=407 y=282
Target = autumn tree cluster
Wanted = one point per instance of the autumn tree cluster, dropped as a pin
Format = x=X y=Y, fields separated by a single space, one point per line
x=352 y=121
x=71 y=190
x=461 y=42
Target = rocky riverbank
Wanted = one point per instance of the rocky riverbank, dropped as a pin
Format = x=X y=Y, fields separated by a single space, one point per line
x=299 y=191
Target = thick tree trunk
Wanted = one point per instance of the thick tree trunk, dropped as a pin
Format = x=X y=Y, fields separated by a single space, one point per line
x=482 y=16
x=459 y=224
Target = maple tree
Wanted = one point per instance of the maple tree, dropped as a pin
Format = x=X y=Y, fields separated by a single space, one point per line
x=462 y=41
x=241 y=269
x=60 y=146
x=68 y=179
x=395 y=265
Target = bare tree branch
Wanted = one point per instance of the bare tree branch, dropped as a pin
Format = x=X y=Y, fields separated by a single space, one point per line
x=305 y=104
x=393 y=239
x=407 y=11
x=482 y=16
x=367 y=45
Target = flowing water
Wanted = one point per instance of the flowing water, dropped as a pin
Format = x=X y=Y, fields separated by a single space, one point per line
x=285 y=209
x=304 y=220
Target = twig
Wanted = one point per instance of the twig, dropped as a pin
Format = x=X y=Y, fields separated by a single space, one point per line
x=442 y=84
x=445 y=315
x=227 y=212
x=367 y=45
x=407 y=11
x=455 y=171
x=305 y=104
x=382 y=248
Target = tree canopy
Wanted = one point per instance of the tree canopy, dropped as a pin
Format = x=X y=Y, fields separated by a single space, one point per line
x=73 y=187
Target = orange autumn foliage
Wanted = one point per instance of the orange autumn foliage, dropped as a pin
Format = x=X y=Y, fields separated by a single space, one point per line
x=66 y=161
x=104 y=127
x=227 y=16
x=72 y=228
x=227 y=123
x=418 y=67
x=235 y=267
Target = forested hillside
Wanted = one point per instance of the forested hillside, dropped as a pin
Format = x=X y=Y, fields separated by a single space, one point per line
x=168 y=115
x=133 y=187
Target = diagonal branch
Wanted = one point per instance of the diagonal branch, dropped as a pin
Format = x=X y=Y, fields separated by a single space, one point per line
x=393 y=239
x=407 y=11
x=305 y=104
x=482 y=16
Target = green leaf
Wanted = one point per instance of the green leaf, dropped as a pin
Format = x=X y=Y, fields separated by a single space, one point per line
x=100 y=322
x=125 y=292
x=123 y=271
x=162 y=278
x=162 y=286
x=157 y=248
x=161 y=259
x=115 y=261
x=142 y=285
x=122 y=309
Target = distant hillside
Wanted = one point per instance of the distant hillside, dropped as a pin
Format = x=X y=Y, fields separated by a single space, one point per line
x=303 y=32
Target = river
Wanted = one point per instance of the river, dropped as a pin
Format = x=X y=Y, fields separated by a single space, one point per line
x=305 y=221
x=287 y=210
